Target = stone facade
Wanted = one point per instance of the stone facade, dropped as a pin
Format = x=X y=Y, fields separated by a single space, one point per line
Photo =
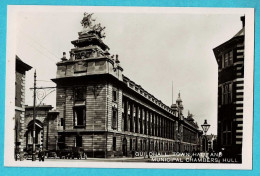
x=230 y=59
x=46 y=127
x=109 y=115
x=20 y=73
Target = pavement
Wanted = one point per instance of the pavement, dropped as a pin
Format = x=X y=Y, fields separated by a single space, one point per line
x=162 y=158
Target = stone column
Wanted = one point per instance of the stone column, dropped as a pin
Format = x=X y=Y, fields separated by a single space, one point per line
x=172 y=129
x=153 y=125
x=137 y=119
x=141 y=120
x=165 y=131
x=167 y=127
x=144 y=121
x=127 y=116
x=149 y=123
x=156 y=125
x=131 y=117
x=161 y=126
x=147 y=120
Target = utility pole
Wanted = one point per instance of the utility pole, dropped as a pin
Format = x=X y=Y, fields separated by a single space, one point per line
x=34 y=116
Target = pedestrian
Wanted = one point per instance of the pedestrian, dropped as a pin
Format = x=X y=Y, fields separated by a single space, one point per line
x=41 y=155
x=133 y=153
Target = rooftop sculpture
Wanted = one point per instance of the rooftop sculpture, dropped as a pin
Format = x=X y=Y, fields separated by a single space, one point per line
x=89 y=26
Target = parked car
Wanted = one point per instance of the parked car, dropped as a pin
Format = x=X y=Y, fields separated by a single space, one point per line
x=77 y=152
x=65 y=153
x=51 y=154
x=28 y=154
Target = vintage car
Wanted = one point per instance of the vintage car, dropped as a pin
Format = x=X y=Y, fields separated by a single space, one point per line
x=28 y=154
x=51 y=154
x=78 y=152
x=71 y=153
x=64 y=153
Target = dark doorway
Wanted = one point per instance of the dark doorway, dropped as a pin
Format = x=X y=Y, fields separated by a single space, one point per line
x=124 y=147
x=78 y=141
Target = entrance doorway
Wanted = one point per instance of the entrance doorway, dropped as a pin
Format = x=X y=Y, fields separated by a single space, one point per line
x=38 y=135
x=78 y=141
x=124 y=147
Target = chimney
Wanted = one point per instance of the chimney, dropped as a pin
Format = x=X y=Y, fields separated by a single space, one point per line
x=242 y=18
x=64 y=57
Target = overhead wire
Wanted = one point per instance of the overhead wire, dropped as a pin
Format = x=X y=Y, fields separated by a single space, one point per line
x=40 y=44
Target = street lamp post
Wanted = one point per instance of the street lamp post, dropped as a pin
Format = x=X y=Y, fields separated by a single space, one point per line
x=35 y=112
x=205 y=128
x=34 y=116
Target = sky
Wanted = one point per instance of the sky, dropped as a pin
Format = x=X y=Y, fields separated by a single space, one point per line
x=155 y=49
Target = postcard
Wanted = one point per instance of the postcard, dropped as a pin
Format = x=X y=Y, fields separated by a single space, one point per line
x=129 y=87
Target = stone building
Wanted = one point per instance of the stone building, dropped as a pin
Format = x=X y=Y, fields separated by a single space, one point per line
x=45 y=125
x=108 y=114
x=20 y=72
x=209 y=143
x=230 y=59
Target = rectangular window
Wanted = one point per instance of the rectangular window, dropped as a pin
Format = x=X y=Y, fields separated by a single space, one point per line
x=131 y=145
x=134 y=145
x=61 y=138
x=114 y=118
x=16 y=92
x=227 y=135
x=134 y=110
x=227 y=93
x=79 y=94
x=227 y=59
x=144 y=145
x=78 y=141
x=79 y=116
x=114 y=143
x=61 y=122
x=114 y=95
x=129 y=109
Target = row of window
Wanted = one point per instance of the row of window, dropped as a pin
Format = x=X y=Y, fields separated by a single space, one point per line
x=189 y=136
x=145 y=126
x=79 y=112
x=80 y=94
x=133 y=145
x=80 y=117
x=189 y=148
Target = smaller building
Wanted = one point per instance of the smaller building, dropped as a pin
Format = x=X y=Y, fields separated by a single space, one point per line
x=20 y=72
x=211 y=143
x=45 y=124
x=230 y=59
